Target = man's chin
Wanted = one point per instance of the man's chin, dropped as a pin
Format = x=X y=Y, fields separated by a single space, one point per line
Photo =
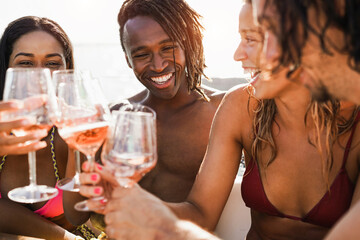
x=320 y=94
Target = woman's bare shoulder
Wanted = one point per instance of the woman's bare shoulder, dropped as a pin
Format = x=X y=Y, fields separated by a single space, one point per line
x=237 y=106
x=240 y=97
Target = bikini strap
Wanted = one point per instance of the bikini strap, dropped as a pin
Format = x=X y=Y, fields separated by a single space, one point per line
x=53 y=157
x=2 y=162
x=348 y=144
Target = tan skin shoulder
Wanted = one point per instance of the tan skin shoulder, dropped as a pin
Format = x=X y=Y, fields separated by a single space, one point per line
x=238 y=107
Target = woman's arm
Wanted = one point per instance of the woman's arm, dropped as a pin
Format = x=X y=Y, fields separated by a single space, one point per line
x=17 y=219
x=215 y=179
x=146 y=218
x=348 y=226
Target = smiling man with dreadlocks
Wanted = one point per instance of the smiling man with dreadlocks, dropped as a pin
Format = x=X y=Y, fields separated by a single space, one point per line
x=162 y=42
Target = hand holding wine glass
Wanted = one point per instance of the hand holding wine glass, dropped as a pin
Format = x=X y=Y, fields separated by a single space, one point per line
x=14 y=145
x=83 y=121
x=65 y=82
x=31 y=86
x=128 y=154
x=130 y=150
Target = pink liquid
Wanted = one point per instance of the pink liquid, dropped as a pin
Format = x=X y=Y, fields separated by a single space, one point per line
x=87 y=138
x=132 y=166
x=139 y=173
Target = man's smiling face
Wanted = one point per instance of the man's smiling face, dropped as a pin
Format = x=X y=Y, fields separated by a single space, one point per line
x=157 y=61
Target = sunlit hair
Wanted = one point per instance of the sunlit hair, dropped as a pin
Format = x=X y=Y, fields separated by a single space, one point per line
x=181 y=24
x=294 y=27
x=328 y=126
x=24 y=25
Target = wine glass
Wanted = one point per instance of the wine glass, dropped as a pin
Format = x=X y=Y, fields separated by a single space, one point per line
x=130 y=150
x=83 y=121
x=27 y=85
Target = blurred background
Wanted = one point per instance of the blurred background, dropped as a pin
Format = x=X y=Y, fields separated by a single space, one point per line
x=93 y=29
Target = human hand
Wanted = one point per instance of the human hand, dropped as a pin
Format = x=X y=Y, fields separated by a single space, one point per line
x=133 y=213
x=10 y=144
x=96 y=180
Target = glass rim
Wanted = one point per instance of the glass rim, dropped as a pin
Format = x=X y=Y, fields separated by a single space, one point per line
x=66 y=71
x=19 y=69
x=82 y=71
x=138 y=107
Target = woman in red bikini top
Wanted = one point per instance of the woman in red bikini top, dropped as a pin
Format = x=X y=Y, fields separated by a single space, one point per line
x=301 y=156
x=35 y=42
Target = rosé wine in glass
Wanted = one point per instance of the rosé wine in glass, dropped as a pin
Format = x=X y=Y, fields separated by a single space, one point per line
x=83 y=121
x=32 y=87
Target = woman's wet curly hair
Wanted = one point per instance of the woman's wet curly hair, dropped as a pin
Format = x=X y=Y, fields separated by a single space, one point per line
x=292 y=35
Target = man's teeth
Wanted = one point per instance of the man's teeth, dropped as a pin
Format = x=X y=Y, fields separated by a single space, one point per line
x=161 y=79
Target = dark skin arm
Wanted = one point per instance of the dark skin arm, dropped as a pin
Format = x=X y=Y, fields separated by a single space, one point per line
x=75 y=217
x=29 y=223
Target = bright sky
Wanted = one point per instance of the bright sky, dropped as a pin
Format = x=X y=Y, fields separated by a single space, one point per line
x=93 y=22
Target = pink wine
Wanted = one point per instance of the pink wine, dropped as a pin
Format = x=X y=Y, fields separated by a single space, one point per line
x=87 y=138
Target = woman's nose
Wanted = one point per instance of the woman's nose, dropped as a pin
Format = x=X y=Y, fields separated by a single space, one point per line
x=240 y=53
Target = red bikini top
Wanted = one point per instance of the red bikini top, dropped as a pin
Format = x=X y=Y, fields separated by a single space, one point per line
x=325 y=213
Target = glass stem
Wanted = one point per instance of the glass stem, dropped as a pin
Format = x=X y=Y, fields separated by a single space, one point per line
x=77 y=168
x=91 y=160
x=32 y=168
x=77 y=162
